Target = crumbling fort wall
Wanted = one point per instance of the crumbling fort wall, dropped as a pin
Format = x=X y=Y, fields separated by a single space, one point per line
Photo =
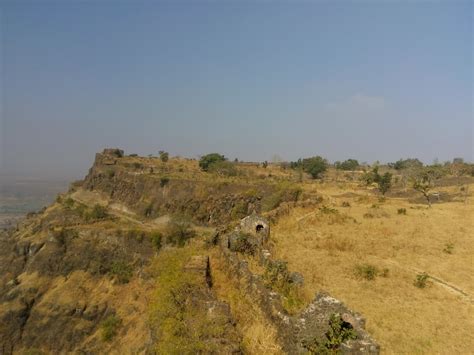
x=299 y=331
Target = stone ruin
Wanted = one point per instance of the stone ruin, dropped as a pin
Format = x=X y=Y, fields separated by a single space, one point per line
x=109 y=156
x=298 y=333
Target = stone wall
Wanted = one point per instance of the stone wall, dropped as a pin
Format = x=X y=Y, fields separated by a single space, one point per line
x=310 y=325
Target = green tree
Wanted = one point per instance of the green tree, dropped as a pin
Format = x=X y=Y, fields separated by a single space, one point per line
x=384 y=182
x=208 y=160
x=349 y=164
x=164 y=156
x=314 y=166
x=424 y=183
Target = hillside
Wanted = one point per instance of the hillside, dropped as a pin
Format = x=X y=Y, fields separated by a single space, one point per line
x=152 y=256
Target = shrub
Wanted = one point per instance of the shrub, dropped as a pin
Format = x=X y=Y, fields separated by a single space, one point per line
x=244 y=243
x=122 y=271
x=179 y=231
x=164 y=181
x=339 y=332
x=277 y=277
x=448 y=248
x=424 y=182
x=284 y=193
x=109 y=327
x=366 y=271
x=239 y=210
x=402 y=211
x=156 y=240
x=164 y=156
x=98 y=212
x=137 y=165
x=384 y=182
x=349 y=164
x=110 y=173
x=421 y=280
x=209 y=159
x=406 y=163
x=315 y=166
x=223 y=168
x=69 y=202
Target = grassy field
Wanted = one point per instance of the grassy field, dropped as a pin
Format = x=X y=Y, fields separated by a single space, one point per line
x=339 y=249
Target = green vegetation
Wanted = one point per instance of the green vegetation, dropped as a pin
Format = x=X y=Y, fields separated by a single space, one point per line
x=384 y=182
x=315 y=166
x=156 y=240
x=424 y=182
x=122 y=271
x=448 y=248
x=179 y=231
x=285 y=192
x=98 y=212
x=339 y=332
x=164 y=156
x=223 y=168
x=277 y=277
x=368 y=272
x=349 y=164
x=402 y=211
x=243 y=244
x=401 y=164
x=180 y=326
x=421 y=280
x=109 y=327
x=164 y=181
x=209 y=159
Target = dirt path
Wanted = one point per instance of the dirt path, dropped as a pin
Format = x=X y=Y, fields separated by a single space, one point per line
x=446 y=285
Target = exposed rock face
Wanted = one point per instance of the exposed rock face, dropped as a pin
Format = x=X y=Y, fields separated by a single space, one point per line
x=151 y=193
x=63 y=281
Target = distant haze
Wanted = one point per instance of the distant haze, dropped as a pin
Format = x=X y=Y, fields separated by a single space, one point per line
x=366 y=80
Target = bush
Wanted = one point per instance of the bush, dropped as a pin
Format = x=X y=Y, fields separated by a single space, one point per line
x=243 y=243
x=285 y=193
x=179 y=231
x=98 y=212
x=209 y=159
x=349 y=164
x=223 y=168
x=421 y=280
x=164 y=156
x=277 y=277
x=110 y=326
x=366 y=271
x=339 y=332
x=448 y=248
x=164 y=181
x=137 y=165
x=68 y=203
x=122 y=271
x=402 y=211
x=156 y=240
x=315 y=166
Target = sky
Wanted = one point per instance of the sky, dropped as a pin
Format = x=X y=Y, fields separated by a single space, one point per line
x=371 y=80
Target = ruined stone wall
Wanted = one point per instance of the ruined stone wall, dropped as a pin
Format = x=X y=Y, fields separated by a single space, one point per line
x=312 y=323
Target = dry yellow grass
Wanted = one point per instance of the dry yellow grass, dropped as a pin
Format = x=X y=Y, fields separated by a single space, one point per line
x=326 y=247
x=259 y=335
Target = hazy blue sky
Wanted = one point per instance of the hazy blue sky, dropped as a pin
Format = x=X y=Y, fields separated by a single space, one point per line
x=370 y=80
